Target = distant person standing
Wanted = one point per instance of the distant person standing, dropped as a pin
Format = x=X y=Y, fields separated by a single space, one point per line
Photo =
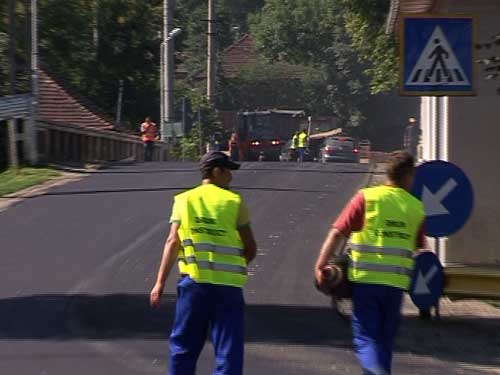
x=149 y=133
x=302 y=144
x=293 y=146
x=233 y=147
x=412 y=137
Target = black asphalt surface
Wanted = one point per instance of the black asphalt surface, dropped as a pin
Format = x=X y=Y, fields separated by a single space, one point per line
x=79 y=261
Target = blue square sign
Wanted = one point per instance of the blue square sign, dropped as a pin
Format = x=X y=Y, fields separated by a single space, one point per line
x=436 y=55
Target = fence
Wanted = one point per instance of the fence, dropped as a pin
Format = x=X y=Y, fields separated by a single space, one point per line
x=69 y=143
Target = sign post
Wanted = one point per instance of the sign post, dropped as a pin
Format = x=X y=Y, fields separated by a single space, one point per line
x=447 y=195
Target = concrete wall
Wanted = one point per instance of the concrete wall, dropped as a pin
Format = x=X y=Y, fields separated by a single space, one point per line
x=474 y=136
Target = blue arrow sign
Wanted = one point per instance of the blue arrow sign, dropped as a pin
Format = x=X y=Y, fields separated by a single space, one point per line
x=427 y=281
x=437 y=55
x=447 y=195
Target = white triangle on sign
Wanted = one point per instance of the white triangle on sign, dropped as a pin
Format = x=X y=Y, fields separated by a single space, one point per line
x=437 y=64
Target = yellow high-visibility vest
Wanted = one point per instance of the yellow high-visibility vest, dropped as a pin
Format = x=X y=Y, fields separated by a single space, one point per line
x=382 y=252
x=212 y=250
x=302 y=140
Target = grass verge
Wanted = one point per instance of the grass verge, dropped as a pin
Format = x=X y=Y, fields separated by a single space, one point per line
x=13 y=180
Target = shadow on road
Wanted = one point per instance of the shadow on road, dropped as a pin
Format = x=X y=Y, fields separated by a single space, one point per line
x=125 y=316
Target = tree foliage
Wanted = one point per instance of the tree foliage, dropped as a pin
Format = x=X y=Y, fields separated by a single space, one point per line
x=95 y=44
x=365 y=23
x=312 y=33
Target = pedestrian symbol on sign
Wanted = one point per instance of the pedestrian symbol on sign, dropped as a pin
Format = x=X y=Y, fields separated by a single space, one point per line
x=437 y=64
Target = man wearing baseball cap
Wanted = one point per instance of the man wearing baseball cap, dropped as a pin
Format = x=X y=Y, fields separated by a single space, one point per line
x=212 y=241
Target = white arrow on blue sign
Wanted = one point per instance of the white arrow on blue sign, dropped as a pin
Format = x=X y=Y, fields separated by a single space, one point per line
x=427 y=282
x=447 y=195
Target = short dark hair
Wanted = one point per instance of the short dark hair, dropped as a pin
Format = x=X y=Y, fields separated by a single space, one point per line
x=208 y=171
x=400 y=165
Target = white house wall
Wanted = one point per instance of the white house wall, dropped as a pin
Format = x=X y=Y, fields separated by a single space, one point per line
x=473 y=144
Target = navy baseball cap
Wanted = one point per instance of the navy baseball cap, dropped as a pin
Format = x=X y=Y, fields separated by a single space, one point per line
x=217 y=159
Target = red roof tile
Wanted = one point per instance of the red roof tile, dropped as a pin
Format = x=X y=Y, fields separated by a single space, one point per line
x=58 y=106
x=244 y=52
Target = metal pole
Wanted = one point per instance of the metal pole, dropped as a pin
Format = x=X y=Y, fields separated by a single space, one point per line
x=95 y=26
x=162 y=89
x=169 y=59
x=211 y=58
x=200 y=133
x=12 y=48
x=119 y=104
x=183 y=127
x=12 y=136
x=31 y=129
x=437 y=133
x=11 y=123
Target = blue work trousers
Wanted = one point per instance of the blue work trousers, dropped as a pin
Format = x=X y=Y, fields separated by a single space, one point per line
x=202 y=308
x=375 y=321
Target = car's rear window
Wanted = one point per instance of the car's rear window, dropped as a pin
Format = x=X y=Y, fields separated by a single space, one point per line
x=340 y=142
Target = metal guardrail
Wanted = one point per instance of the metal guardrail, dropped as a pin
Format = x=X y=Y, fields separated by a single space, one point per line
x=472 y=281
x=14 y=106
x=64 y=142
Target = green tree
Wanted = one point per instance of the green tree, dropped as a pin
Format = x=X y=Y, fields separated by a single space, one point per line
x=365 y=22
x=312 y=33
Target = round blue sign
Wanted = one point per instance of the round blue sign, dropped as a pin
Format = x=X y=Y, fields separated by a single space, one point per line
x=447 y=195
x=427 y=281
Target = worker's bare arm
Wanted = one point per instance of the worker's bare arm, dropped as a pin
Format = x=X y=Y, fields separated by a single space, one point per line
x=249 y=244
x=332 y=246
x=170 y=252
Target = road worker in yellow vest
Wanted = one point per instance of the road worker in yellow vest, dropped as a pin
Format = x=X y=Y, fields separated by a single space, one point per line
x=293 y=155
x=302 y=144
x=385 y=227
x=212 y=242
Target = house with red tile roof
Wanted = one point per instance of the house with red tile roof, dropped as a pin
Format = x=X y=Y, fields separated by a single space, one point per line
x=57 y=105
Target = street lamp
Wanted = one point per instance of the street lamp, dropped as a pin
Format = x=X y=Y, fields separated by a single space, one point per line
x=174 y=33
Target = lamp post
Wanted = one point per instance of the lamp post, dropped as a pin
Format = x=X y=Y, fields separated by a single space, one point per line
x=167 y=67
x=211 y=58
x=31 y=129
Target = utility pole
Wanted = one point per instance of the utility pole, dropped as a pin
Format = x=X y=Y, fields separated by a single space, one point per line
x=31 y=128
x=168 y=15
x=211 y=58
x=11 y=123
x=119 y=104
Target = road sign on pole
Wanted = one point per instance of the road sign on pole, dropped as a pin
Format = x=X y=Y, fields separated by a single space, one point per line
x=436 y=55
x=427 y=282
x=447 y=195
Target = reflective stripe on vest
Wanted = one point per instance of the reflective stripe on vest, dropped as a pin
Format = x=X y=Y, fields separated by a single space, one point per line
x=382 y=251
x=216 y=266
x=381 y=268
x=367 y=249
x=212 y=248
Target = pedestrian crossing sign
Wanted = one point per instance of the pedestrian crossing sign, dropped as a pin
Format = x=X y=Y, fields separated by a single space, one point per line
x=436 y=55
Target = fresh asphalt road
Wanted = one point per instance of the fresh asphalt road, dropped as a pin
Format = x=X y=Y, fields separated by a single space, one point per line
x=78 y=263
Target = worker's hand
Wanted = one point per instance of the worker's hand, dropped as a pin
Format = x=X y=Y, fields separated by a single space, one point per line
x=155 y=296
x=321 y=278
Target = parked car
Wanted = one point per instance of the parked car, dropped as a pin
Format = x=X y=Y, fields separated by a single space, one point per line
x=342 y=149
